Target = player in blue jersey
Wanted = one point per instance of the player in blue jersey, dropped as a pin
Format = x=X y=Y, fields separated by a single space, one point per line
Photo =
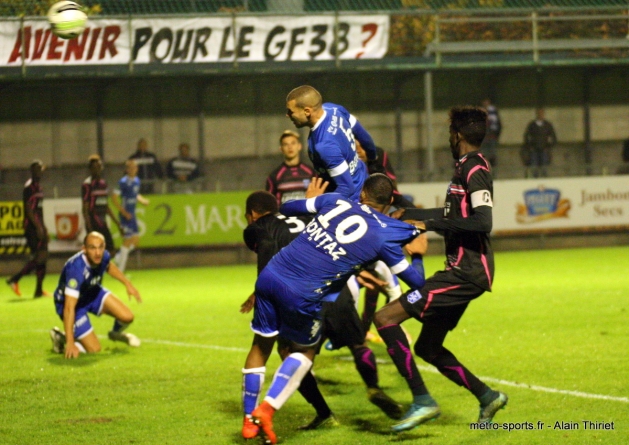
x=342 y=239
x=331 y=144
x=80 y=292
x=465 y=222
x=125 y=198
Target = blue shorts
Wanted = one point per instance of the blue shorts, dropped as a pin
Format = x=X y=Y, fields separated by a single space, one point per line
x=280 y=310
x=82 y=324
x=129 y=226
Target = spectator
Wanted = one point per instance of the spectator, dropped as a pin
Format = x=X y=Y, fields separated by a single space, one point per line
x=539 y=138
x=183 y=169
x=489 y=148
x=624 y=168
x=149 y=168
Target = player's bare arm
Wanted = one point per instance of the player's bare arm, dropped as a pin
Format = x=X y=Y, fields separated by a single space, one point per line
x=419 y=246
x=316 y=187
x=113 y=270
x=112 y=215
x=69 y=315
x=247 y=306
x=142 y=200
x=115 y=198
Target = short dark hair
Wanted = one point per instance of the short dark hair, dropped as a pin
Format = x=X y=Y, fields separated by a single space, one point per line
x=288 y=134
x=261 y=202
x=470 y=122
x=379 y=188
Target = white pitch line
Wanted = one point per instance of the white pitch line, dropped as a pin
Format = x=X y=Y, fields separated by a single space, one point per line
x=422 y=368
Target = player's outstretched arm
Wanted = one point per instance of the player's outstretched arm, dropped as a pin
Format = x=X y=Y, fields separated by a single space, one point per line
x=116 y=273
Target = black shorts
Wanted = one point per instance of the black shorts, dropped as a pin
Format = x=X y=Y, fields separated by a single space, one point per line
x=104 y=230
x=341 y=323
x=34 y=242
x=443 y=299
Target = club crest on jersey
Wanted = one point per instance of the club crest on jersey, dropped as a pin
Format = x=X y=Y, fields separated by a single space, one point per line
x=414 y=297
x=72 y=283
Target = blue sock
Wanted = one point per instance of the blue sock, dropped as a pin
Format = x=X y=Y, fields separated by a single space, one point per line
x=252 y=381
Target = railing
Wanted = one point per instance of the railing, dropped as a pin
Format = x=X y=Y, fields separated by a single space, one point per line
x=616 y=46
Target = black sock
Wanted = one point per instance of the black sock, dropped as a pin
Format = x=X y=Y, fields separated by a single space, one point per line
x=365 y=362
x=400 y=352
x=310 y=391
x=449 y=366
x=371 y=301
x=40 y=271
x=28 y=268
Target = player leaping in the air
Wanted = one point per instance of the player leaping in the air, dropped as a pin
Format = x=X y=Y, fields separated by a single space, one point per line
x=331 y=144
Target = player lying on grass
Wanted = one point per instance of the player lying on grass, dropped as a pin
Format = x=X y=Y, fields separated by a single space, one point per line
x=341 y=240
x=80 y=292
x=267 y=233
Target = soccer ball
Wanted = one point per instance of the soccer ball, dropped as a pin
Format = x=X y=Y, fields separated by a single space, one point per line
x=67 y=19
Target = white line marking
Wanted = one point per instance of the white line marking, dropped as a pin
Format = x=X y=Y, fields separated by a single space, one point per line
x=194 y=345
x=421 y=368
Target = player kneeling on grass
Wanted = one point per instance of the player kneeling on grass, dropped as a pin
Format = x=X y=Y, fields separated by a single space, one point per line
x=80 y=292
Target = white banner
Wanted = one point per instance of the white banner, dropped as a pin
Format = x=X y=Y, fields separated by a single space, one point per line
x=542 y=204
x=198 y=40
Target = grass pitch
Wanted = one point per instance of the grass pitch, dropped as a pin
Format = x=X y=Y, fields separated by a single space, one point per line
x=553 y=335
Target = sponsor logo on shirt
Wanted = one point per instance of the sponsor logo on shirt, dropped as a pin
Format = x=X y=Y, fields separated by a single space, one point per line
x=414 y=297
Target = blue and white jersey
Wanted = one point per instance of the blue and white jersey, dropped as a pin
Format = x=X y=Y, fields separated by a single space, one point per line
x=342 y=239
x=332 y=150
x=128 y=189
x=79 y=280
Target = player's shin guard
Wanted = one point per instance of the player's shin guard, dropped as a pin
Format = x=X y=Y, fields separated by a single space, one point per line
x=400 y=351
x=365 y=362
x=287 y=379
x=252 y=381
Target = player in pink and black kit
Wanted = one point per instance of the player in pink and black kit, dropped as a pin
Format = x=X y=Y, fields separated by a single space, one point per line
x=465 y=222
x=95 y=196
x=34 y=231
x=290 y=180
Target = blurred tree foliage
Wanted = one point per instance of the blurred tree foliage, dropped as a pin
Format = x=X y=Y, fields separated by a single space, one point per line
x=410 y=33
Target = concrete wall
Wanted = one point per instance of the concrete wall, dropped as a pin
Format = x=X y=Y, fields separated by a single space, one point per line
x=242 y=116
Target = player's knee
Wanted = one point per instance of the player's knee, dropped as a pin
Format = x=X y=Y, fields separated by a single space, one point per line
x=381 y=318
x=126 y=317
x=425 y=352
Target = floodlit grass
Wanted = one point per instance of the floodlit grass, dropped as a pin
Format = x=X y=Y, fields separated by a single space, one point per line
x=557 y=320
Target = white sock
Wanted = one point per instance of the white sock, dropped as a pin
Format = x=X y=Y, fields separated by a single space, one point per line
x=123 y=255
x=80 y=347
x=287 y=379
x=252 y=381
